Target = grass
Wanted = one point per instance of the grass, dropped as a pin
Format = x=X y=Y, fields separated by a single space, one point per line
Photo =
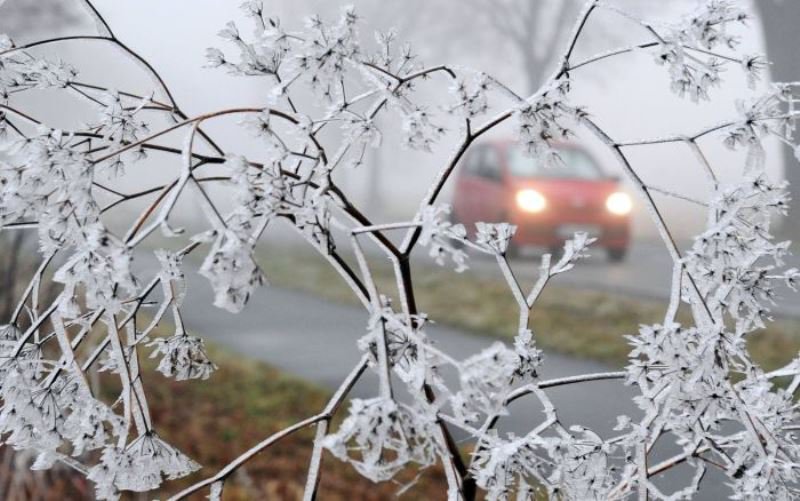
x=583 y=323
x=245 y=401
x=213 y=422
x=242 y=403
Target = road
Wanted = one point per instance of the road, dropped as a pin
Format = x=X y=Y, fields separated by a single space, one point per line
x=316 y=340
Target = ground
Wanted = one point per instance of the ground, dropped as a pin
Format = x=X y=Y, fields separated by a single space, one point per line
x=216 y=420
x=569 y=319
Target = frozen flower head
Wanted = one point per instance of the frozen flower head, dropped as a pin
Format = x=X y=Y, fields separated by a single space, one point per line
x=759 y=118
x=9 y=332
x=42 y=414
x=489 y=377
x=259 y=124
x=139 y=467
x=28 y=361
x=380 y=437
x=420 y=132
x=495 y=238
x=470 y=95
x=54 y=187
x=118 y=120
x=23 y=70
x=19 y=415
x=754 y=67
x=406 y=343
x=173 y=279
x=544 y=118
x=697 y=390
x=259 y=191
x=182 y=357
x=91 y=424
x=503 y=466
x=441 y=236
x=687 y=49
x=329 y=48
x=233 y=273
x=101 y=266
x=363 y=132
x=575 y=464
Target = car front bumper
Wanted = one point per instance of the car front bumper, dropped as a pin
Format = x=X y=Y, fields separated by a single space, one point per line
x=611 y=232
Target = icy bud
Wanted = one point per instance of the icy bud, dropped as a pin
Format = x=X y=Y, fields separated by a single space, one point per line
x=233 y=273
x=494 y=238
x=544 y=118
x=387 y=435
x=575 y=249
x=439 y=235
x=182 y=357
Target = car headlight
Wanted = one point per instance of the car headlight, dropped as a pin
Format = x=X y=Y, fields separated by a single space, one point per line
x=531 y=201
x=619 y=203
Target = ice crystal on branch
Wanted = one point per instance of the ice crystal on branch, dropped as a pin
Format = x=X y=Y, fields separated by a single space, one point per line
x=689 y=49
x=21 y=71
x=182 y=357
x=118 y=122
x=488 y=378
x=406 y=343
x=546 y=118
x=232 y=271
x=471 y=96
x=139 y=467
x=697 y=389
x=440 y=236
x=380 y=437
x=494 y=238
x=770 y=114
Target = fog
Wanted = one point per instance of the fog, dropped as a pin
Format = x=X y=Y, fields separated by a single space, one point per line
x=628 y=95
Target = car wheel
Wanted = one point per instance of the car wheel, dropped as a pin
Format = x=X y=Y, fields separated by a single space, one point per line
x=617 y=255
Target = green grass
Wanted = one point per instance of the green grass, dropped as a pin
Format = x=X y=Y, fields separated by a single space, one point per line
x=569 y=320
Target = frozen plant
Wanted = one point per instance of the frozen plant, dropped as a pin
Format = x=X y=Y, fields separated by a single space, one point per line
x=696 y=386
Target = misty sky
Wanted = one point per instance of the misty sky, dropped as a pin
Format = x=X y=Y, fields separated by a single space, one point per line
x=629 y=97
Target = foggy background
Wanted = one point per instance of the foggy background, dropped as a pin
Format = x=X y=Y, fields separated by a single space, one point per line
x=513 y=40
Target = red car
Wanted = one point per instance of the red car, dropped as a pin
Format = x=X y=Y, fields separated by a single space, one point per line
x=498 y=182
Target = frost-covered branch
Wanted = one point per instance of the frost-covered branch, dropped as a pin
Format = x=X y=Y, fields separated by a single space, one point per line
x=696 y=385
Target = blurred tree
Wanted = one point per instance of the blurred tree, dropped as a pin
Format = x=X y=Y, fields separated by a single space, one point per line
x=534 y=29
x=28 y=17
x=780 y=19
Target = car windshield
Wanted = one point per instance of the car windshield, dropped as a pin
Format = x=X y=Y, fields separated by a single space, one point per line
x=575 y=164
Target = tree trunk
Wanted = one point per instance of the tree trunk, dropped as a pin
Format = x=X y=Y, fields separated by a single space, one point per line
x=780 y=19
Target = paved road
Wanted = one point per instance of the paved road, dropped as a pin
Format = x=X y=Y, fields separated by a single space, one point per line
x=315 y=340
